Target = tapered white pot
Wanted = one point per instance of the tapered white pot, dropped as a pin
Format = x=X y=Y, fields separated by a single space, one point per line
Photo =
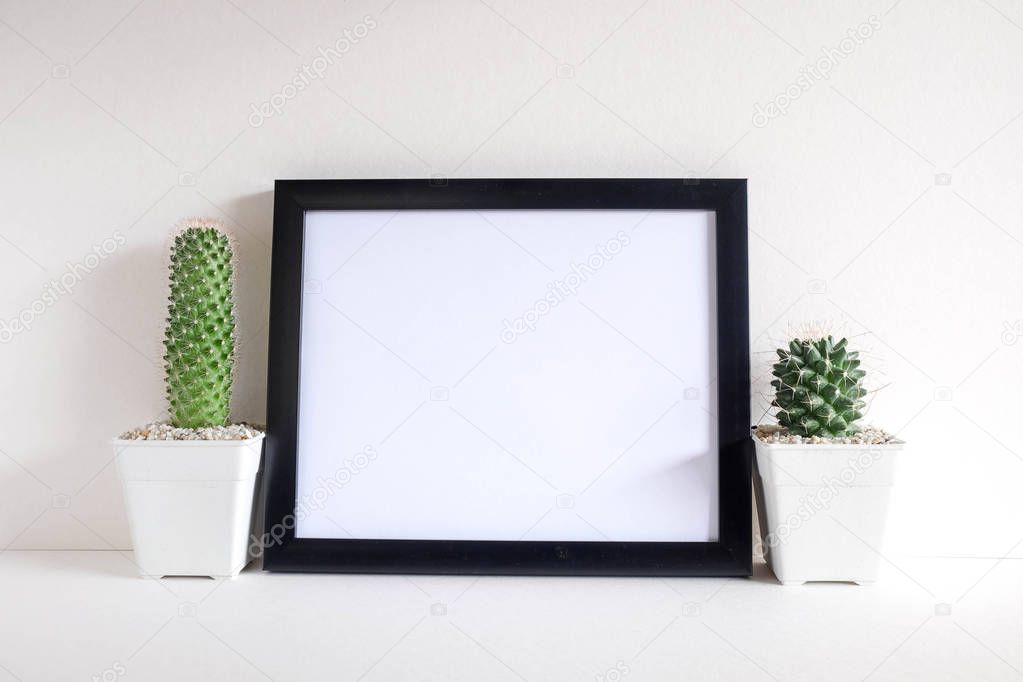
x=190 y=503
x=826 y=509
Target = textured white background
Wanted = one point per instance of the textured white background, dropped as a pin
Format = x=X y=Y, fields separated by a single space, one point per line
x=886 y=199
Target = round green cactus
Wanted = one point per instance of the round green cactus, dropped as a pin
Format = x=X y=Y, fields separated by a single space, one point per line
x=199 y=342
x=818 y=388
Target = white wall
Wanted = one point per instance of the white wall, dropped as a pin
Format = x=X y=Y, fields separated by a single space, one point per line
x=885 y=199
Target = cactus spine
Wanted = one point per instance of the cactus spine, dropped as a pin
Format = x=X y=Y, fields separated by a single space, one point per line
x=819 y=388
x=199 y=343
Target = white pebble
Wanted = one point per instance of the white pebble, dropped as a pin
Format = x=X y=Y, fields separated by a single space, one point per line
x=869 y=435
x=164 y=431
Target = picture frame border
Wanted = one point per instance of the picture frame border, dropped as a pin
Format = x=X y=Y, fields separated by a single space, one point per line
x=730 y=555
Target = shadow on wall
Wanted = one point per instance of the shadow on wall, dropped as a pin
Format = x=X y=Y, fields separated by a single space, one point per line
x=140 y=266
x=146 y=400
x=253 y=233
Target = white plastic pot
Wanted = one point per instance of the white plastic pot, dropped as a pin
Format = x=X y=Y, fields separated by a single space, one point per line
x=190 y=503
x=826 y=507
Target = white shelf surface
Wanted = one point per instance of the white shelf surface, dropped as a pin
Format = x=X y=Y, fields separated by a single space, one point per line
x=77 y=615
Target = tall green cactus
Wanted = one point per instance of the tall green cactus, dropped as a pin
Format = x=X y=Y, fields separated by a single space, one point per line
x=199 y=342
x=819 y=388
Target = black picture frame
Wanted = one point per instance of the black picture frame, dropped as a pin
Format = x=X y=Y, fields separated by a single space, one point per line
x=730 y=555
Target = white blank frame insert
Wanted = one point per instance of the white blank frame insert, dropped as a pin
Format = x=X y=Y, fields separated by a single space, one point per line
x=508 y=375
